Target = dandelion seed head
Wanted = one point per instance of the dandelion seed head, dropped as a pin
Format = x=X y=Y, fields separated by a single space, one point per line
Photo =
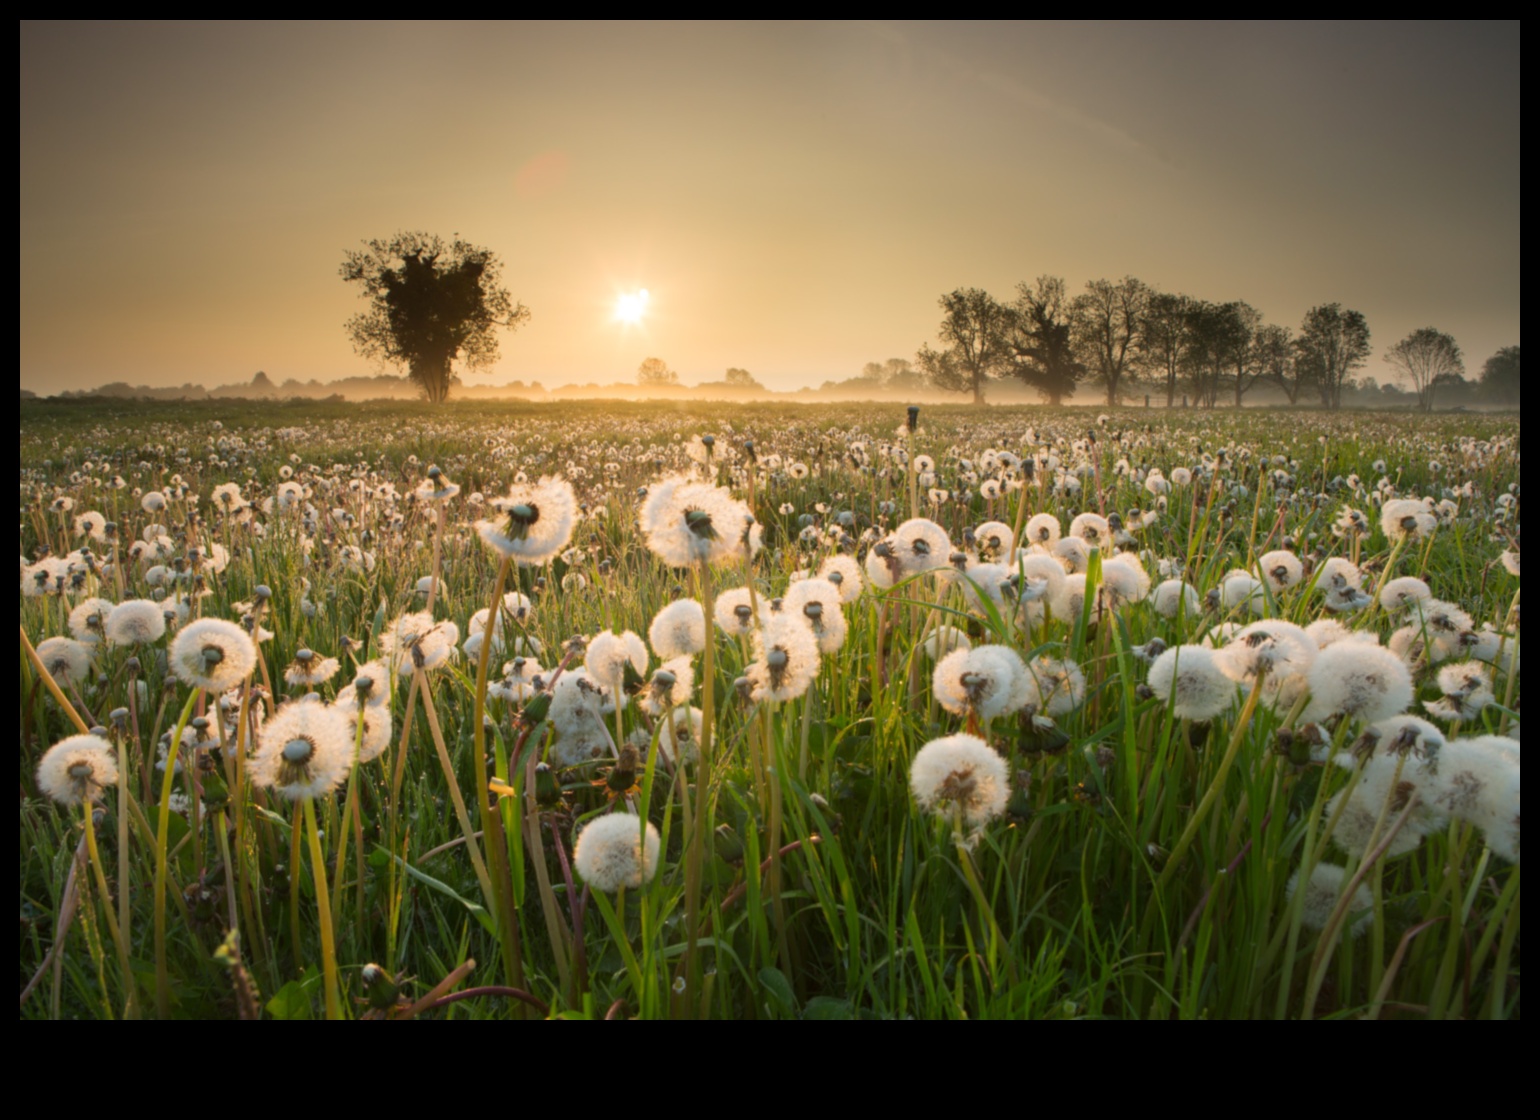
x=617 y=850
x=74 y=769
x=533 y=522
x=1091 y=528
x=1322 y=889
x=678 y=630
x=1367 y=683
x=1407 y=519
x=88 y=621
x=734 y=612
x=1042 y=530
x=679 y=735
x=1060 y=684
x=785 y=659
x=845 y=573
x=1404 y=593
x=608 y=656
x=1194 y=681
x=304 y=751
x=1281 y=569
x=212 y=654
x=963 y=771
x=983 y=680
x=67 y=661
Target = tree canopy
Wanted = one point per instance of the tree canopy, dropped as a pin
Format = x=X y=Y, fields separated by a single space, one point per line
x=655 y=371
x=1500 y=376
x=1423 y=358
x=430 y=303
x=1041 y=340
x=974 y=327
x=1332 y=344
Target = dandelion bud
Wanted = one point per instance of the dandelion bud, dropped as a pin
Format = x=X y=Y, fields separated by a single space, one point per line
x=547 y=788
x=435 y=473
x=382 y=990
x=744 y=689
x=536 y=709
x=729 y=846
x=262 y=592
x=913 y=419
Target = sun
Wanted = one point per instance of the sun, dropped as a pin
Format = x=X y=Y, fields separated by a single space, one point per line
x=630 y=306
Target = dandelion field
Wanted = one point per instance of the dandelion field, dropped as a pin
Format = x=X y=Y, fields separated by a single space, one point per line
x=557 y=711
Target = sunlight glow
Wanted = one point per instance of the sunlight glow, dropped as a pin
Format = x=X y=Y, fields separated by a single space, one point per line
x=630 y=307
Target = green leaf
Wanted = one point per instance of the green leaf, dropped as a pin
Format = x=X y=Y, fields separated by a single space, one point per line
x=778 y=989
x=292 y=1001
x=477 y=911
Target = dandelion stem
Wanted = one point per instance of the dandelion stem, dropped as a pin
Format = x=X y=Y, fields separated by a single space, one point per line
x=1328 y=937
x=162 y=838
x=1216 y=786
x=458 y=800
x=697 y=852
x=113 y=929
x=324 y=912
x=491 y=815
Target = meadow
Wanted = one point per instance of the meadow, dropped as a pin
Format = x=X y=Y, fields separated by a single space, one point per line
x=766 y=711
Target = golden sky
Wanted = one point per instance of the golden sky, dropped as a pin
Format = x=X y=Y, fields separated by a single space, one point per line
x=794 y=197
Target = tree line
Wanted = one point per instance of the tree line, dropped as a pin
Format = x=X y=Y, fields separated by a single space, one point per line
x=1119 y=333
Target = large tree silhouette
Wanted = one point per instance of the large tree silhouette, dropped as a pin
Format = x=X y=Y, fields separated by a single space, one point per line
x=430 y=303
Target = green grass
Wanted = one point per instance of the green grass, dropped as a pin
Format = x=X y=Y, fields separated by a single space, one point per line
x=1074 y=907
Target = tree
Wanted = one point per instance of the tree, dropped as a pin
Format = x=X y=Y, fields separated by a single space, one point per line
x=1332 y=343
x=1500 y=376
x=1106 y=319
x=886 y=373
x=1241 y=323
x=741 y=378
x=1164 y=337
x=1041 y=340
x=974 y=328
x=1273 y=358
x=655 y=371
x=429 y=304
x=1423 y=358
x=1216 y=334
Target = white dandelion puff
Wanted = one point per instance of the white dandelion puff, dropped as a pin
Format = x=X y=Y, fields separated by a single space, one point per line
x=74 y=769
x=304 y=751
x=785 y=659
x=678 y=630
x=135 y=622
x=1325 y=885
x=1363 y=682
x=617 y=850
x=1193 y=681
x=532 y=522
x=963 y=771
x=983 y=681
x=212 y=654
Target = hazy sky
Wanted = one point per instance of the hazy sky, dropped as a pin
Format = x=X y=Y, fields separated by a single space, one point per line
x=794 y=196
